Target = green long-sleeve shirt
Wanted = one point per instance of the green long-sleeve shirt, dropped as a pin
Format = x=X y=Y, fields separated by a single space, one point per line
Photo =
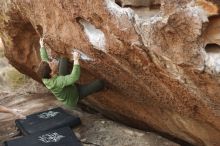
x=63 y=86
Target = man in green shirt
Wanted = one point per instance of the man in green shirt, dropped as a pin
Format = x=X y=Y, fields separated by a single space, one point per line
x=55 y=77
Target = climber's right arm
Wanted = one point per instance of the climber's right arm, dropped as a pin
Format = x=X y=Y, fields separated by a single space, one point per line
x=70 y=79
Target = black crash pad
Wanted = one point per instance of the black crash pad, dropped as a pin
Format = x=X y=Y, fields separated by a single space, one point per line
x=59 y=137
x=46 y=120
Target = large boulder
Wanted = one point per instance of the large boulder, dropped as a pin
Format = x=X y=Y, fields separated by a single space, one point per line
x=162 y=65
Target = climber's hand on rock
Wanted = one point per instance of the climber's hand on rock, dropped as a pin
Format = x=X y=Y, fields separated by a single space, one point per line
x=41 y=42
x=76 y=57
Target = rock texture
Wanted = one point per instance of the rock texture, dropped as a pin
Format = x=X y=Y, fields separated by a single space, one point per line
x=162 y=65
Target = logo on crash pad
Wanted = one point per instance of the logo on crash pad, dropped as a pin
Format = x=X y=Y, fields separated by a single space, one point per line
x=48 y=115
x=50 y=137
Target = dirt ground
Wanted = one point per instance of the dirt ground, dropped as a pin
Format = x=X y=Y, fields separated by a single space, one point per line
x=94 y=130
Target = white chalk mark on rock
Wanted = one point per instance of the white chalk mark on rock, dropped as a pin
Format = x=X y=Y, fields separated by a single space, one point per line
x=212 y=59
x=95 y=36
x=83 y=56
x=116 y=10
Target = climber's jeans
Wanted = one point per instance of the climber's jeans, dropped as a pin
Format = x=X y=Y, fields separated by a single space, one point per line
x=86 y=89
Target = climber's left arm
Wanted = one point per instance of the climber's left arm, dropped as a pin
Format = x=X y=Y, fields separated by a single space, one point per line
x=43 y=51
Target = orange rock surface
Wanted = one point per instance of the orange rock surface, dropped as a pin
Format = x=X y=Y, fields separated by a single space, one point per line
x=160 y=64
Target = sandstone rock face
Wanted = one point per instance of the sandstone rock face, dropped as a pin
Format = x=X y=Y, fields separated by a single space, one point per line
x=162 y=66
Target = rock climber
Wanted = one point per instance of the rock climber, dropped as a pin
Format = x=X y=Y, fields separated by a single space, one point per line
x=55 y=76
x=15 y=112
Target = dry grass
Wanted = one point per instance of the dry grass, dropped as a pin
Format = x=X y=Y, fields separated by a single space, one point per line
x=14 y=78
x=1 y=49
x=1 y=53
x=13 y=81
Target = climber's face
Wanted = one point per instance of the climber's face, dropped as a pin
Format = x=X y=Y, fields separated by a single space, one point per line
x=54 y=65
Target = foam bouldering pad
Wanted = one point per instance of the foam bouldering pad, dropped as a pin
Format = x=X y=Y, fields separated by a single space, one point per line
x=46 y=120
x=59 y=137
